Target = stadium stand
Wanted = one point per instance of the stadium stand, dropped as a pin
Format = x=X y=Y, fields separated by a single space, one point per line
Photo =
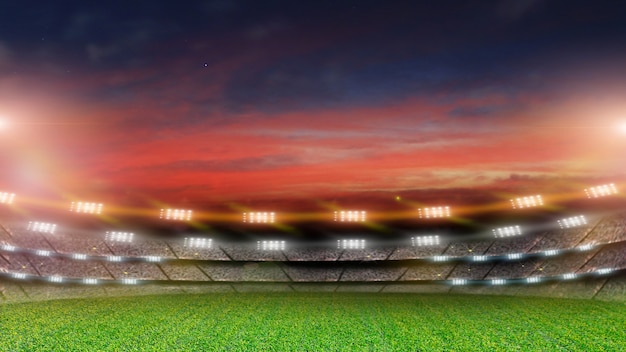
x=36 y=265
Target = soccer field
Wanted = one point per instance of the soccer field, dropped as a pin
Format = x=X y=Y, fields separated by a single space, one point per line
x=314 y=322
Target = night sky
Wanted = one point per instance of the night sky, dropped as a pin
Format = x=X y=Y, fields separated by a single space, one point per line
x=194 y=102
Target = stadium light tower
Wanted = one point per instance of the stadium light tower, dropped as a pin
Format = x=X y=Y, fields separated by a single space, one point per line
x=421 y=241
x=508 y=231
x=350 y=216
x=117 y=236
x=6 y=197
x=573 y=221
x=351 y=244
x=434 y=212
x=259 y=217
x=176 y=214
x=194 y=242
x=527 y=202
x=270 y=245
x=86 y=208
x=601 y=191
x=43 y=227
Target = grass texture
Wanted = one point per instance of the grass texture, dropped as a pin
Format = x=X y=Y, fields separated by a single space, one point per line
x=313 y=322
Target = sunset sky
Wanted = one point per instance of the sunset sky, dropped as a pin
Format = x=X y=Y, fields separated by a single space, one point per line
x=225 y=100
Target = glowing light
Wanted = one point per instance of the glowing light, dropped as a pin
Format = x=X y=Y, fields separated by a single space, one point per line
x=87 y=208
x=585 y=247
x=459 y=282
x=129 y=281
x=350 y=215
x=604 y=271
x=526 y=202
x=479 y=258
x=601 y=191
x=514 y=256
x=114 y=258
x=42 y=253
x=153 y=259
x=3 y=124
x=79 y=256
x=56 y=279
x=497 y=282
x=351 y=244
x=20 y=276
x=270 y=245
x=259 y=217
x=509 y=231
x=176 y=214
x=114 y=236
x=41 y=227
x=434 y=212
x=422 y=241
x=533 y=280
x=8 y=247
x=6 y=197
x=90 y=281
x=569 y=276
x=204 y=243
x=441 y=258
x=572 y=222
x=551 y=252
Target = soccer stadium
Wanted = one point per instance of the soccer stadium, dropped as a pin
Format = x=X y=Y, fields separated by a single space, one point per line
x=239 y=175
x=572 y=258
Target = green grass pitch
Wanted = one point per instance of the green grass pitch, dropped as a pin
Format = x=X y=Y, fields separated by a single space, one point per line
x=313 y=322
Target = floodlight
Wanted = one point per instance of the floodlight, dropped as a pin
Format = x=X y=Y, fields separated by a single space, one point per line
x=259 y=217
x=533 y=279
x=153 y=259
x=85 y=207
x=551 y=252
x=6 y=198
x=176 y=214
x=350 y=215
x=585 y=247
x=270 y=245
x=56 y=279
x=526 y=202
x=129 y=281
x=441 y=258
x=508 y=231
x=78 y=256
x=601 y=191
x=351 y=244
x=604 y=271
x=115 y=236
x=42 y=253
x=569 y=276
x=480 y=258
x=8 y=248
x=90 y=281
x=498 y=282
x=514 y=256
x=114 y=258
x=573 y=221
x=422 y=241
x=459 y=282
x=41 y=227
x=20 y=276
x=434 y=212
x=203 y=243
